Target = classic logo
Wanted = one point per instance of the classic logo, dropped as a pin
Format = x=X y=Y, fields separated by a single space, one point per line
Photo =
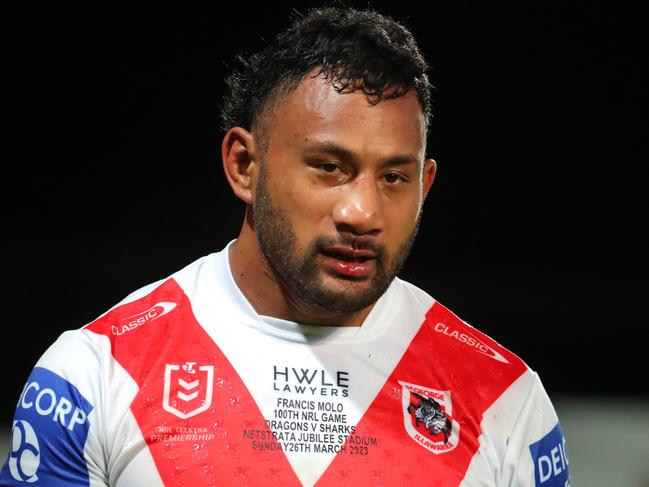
x=25 y=455
x=469 y=340
x=427 y=416
x=132 y=322
x=187 y=389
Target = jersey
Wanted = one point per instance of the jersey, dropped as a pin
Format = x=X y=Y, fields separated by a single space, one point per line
x=183 y=383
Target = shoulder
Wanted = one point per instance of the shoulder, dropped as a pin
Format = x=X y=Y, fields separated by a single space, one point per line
x=452 y=333
x=151 y=302
x=463 y=338
x=58 y=410
x=74 y=363
x=68 y=368
x=412 y=294
x=460 y=357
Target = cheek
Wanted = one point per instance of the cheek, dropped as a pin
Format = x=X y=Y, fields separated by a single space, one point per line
x=400 y=222
x=287 y=197
x=402 y=215
x=308 y=212
x=310 y=204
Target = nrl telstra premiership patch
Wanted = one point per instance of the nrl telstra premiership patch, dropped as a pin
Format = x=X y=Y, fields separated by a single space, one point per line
x=551 y=460
x=49 y=431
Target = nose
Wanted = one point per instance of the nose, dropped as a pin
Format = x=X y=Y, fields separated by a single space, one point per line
x=358 y=209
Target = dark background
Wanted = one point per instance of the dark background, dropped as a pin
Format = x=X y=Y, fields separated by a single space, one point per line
x=533 y=231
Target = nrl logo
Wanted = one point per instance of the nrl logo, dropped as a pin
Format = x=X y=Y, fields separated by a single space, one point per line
x=427 y=416
x=187 y=390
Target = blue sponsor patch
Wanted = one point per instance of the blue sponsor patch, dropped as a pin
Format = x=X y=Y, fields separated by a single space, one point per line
x=49 y=433
x=551 y=460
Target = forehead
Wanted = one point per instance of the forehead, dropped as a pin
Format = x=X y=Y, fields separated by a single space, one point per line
x=316 y=112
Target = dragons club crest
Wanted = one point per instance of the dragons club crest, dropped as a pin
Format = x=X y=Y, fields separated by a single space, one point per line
x=428 y=420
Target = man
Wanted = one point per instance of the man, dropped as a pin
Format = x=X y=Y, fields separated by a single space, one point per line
x=295 y=356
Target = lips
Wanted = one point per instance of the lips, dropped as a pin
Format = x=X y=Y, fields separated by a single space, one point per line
x=349 y=254
x=349 y=262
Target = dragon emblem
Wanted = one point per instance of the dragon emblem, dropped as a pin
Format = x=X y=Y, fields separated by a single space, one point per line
x=429 y=412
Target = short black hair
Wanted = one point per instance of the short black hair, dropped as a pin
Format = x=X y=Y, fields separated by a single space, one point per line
x=353 y=49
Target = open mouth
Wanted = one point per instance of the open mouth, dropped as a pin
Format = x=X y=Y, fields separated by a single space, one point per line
x=347 y=254
x=346 y=257
x=350 y=263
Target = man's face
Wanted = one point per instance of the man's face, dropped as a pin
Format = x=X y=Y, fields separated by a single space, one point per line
x=339 y=193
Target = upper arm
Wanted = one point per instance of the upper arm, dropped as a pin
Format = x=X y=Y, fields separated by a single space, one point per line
x=536 y=452
x=56 y=431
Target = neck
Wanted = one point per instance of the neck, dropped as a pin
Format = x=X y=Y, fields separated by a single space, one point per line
x=268 y=296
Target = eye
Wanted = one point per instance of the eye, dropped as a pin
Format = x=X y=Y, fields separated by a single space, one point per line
x=329 y=167
x=394 y=178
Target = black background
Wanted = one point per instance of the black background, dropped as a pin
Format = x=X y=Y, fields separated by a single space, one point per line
x=533 y=231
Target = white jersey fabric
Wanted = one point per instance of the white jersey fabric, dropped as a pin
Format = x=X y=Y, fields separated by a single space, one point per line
x=184 y=384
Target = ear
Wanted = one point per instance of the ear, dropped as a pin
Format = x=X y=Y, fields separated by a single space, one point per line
x=428 y=176
x=238 y=152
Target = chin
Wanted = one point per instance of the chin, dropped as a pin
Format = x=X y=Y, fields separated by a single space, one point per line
x=344 y=296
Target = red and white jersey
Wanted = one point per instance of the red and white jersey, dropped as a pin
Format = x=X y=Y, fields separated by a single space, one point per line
x=184 y=384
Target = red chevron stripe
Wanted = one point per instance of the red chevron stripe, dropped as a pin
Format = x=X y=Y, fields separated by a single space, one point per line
x=220 y=455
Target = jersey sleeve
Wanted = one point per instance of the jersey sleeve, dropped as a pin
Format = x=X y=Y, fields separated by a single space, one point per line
x=536 y=453
x=56 y=431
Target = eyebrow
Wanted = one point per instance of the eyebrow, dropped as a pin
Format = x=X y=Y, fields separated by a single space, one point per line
x=346 y=154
